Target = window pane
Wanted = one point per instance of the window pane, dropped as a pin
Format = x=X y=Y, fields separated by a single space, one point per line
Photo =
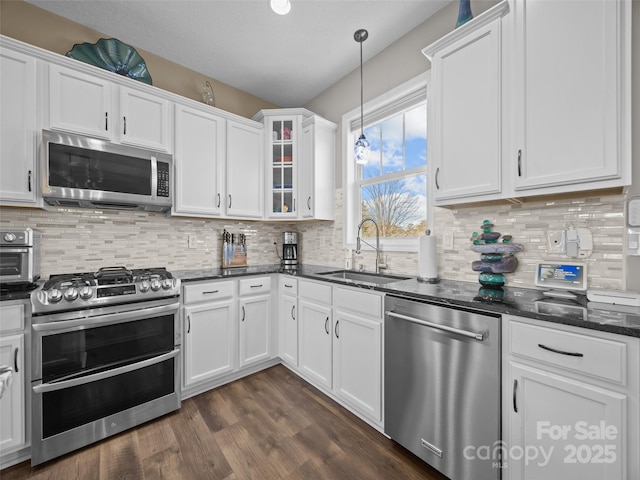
x=416 y=137
x=399 y=207
x=372 y=167
x=392 y=152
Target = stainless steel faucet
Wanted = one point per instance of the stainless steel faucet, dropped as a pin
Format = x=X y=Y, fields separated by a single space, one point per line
x=379 y=263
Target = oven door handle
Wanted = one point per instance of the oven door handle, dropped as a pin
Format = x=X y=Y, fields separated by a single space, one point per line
x=52 y=387
x=106 y=319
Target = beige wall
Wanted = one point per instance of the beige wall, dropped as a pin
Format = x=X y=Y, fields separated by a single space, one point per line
x=30 y=24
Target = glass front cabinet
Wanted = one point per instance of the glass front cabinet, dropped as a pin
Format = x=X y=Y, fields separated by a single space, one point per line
x=284 y=166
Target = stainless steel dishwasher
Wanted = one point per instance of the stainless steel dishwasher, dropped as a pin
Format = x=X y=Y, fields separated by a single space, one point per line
x=442 y=386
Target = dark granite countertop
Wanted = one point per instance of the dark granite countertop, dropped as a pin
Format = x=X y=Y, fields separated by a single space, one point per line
x=523 y=302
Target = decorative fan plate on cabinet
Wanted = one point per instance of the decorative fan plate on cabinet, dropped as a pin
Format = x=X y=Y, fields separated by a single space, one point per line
x=113 y=55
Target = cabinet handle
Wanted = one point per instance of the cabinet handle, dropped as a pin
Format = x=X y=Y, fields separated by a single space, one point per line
x=293 y=312
x=188 y=323
x=210 y=292
x=243 y=313
x=515 y=389
x=106 y=121
x=309 y=203
x=218 y=201
x=519 y=163
x=29 y=180
x=229 y=201
x=436 y=178
x=561 y=352
x=294 y=204
x=15 y=360
x=124 y=120
x=326 y=325
x=288 y=286
x=335 y=329
x=255 y=286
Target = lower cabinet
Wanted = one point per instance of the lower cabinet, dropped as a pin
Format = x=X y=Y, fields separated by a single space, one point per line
x=288 y=319
x=341 y=344
x=210 y=338
x=13 y=404
x=255 y=320
x=570 y=405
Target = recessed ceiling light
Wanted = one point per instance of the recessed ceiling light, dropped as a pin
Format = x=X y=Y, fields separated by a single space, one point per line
x=281 y=7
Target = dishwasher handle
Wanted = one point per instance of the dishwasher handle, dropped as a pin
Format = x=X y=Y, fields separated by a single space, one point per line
x=475 y=335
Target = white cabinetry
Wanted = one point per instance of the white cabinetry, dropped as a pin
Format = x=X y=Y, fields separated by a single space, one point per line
x=571 y=396
x=245 y=170
x=199 y=160
x=465 y=124
x=316 y=326
x=17 y=127
x=90 y=105
x=527 y=101
x=287 y=315
x=13 y=404
x=571 y=94
x=357 y=350
x=209 y=347
x=255 y=320
x=316 y=172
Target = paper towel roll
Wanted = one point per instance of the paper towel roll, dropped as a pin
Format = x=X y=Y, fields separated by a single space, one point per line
x=428 y=258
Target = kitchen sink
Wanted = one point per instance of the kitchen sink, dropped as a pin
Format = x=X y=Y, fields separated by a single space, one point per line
x=363 y=277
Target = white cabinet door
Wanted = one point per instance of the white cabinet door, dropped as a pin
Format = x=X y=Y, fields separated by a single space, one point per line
x=199 y=161
x=144 y=120
x=244 y=171
x=209 y=341
x=315 y=342
x=568 y=93
x=12 y=403
x=358 y=363
x=80 y=103
x=255 y=329
x=550 y=416
x=283 y=161
x=288 y=329
x=17 y=127
x=465 y=127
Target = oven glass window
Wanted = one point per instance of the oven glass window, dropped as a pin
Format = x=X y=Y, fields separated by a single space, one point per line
x=72 y=407
x=73 y=167
x=92 y=350
x=11 y=264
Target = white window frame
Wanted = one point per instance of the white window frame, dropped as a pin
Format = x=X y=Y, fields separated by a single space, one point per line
x=351 y=195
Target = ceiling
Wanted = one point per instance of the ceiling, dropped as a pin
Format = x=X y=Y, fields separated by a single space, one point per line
x=286 y=60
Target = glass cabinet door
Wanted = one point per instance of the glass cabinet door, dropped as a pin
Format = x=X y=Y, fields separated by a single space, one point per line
x=283 y=163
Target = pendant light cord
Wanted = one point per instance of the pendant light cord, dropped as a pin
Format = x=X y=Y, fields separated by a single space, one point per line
x=361 y=94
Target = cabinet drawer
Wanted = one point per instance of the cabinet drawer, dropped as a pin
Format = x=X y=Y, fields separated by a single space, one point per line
x=11 y=317
x=252 y=286
x=365 y=303
x=203 y=292
x=288 y=285
x=596 y=357
x=317 y=292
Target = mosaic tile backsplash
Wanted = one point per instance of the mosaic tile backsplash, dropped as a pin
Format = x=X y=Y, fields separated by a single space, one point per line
x=87 y=239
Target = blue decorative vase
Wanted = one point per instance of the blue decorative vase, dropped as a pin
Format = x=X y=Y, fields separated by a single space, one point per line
x=464 y=12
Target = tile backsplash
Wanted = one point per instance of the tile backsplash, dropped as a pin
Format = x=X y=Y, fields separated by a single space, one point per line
x=87 y=239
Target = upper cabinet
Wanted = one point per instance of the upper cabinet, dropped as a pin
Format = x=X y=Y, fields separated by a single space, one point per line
x=89 y=105
x=300 y=164
x=245 y=167
x=526 y=100
x=570 y=98
x=18 y=128
x=465 y=117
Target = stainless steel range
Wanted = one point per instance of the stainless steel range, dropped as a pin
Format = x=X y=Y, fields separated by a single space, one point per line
x=105 y=354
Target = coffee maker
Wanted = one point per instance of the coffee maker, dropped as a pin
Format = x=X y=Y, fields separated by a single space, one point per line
x=290 y=249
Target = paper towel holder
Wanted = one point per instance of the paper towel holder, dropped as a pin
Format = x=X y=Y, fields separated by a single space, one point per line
x=428 y=279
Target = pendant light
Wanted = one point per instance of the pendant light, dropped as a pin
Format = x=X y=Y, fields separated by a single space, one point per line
x=361 y=149
x=281 y=7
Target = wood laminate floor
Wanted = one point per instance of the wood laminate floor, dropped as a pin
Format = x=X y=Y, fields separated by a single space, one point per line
x=270 y=425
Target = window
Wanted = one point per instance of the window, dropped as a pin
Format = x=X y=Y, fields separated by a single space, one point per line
x=391 y=188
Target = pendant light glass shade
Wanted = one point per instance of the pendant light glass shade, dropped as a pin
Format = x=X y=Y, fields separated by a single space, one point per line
x=361 y=149
x=281 y=7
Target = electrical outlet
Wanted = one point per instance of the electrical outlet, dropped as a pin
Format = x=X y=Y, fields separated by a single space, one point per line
x=556 y=241
x=447 y=240
x=192 y=241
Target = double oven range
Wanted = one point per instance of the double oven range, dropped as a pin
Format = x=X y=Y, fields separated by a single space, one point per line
x=105 y=356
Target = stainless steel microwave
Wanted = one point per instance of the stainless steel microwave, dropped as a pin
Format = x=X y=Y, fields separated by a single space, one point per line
x=86 y=172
